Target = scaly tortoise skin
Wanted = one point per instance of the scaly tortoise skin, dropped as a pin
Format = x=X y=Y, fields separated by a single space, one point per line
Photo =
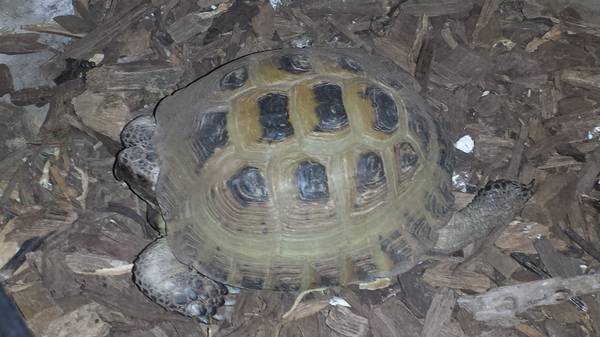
x=295 y=169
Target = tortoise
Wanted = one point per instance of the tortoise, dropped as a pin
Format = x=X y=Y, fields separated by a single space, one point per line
x=294 y=169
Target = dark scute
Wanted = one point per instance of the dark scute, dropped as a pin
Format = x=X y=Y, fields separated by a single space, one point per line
x=446 y=160
x=248 y=185
x=217 y=271
x=400 y=254
x=274 y=117
x=312 y=181
x=369 y=171
x=350 y=64
x=330 y=108
x=446 y=192
x=211 y=134
x=395 y=84
x=386 y=111
x=407 y=156
x=234 y=79
x=366 y=270
x=251 y=283
x=419 y=227
x=395 y=247
x=329 y=281
x=438 y=207
x=295 y=64
x=287 y=286
x=417 y=123
x=446 y=154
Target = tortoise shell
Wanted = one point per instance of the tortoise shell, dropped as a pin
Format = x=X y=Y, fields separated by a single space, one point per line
x=292 y=169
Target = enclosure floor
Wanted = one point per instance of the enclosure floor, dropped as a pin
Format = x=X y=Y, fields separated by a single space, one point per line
x=518 y=82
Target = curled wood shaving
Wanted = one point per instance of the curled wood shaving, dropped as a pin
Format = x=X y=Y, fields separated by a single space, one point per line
x=85 y=185
x=552 y=35
x=296 y=306
x=60 y=181
x=44 y=180
x=380 y=283
x=305 y=309
x=94 y=264
x=415 y=50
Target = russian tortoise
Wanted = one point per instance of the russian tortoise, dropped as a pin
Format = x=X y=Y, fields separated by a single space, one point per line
x=295 y=169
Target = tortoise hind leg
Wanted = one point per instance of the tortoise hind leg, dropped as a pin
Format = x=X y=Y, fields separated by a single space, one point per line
x=493 y=207
x=175 y=286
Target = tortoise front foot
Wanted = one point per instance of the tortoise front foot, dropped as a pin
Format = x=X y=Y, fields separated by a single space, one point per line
x=493 y=207
x=177 y=287
x=137 y=162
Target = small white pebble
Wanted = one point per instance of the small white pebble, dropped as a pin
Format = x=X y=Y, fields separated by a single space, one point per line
x=485 y=93
x=97 y=58
x=45 y=178
x=465 y=144
x=506 y=43
x=593 y=133
x=335 y=300
x=301 y=42
x=275 y=3
x=459 y=181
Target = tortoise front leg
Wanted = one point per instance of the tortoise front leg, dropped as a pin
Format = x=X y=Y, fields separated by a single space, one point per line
x=493 y=207
x=176 y=286
x=137 y=162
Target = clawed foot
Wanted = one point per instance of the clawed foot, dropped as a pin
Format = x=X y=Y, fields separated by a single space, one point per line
x=493 y=207
x=178 y=287
x=137 y=162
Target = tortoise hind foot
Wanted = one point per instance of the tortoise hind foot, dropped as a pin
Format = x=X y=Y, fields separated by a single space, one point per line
x=177 y=287
x=493 y=207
